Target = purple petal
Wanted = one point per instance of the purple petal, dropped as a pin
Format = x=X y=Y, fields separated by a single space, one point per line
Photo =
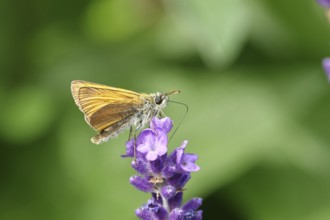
x=147 y=140
x=326 y=66
x=143 y=148
x=165 y=123
x=161 y=144
x=152 y=155
x=184 y=144
x=188 y=163
x=180 y=151
x=324 y=3
x=192 y=204
x=141 y=183
x=170 y=165
x=172 y=156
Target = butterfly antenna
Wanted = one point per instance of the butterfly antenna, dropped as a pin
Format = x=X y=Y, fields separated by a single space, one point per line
x=180 y=103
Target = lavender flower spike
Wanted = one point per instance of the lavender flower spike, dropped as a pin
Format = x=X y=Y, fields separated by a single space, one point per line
x=162 y=175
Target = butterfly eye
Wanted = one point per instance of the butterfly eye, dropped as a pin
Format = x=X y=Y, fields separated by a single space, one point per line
x=158 y=99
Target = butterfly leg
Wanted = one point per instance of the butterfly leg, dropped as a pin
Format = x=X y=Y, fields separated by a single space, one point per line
x=134 y=133
x=162 y=114
x=134 y=158
x=130 y=133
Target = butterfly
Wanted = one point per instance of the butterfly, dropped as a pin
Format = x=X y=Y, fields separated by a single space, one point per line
x=111 y=111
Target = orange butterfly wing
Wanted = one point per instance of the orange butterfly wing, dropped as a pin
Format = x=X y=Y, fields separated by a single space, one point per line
x=105 y=106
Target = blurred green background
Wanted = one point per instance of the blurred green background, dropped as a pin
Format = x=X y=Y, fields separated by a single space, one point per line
x=250 y=71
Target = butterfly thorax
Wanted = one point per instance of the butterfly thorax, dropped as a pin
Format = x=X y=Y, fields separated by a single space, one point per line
x=153 y=105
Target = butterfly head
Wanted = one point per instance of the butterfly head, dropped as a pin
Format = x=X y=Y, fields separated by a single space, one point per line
x=161 y=99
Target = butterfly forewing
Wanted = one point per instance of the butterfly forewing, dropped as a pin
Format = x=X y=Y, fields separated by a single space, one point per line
x=105 y=106
x=113 y=113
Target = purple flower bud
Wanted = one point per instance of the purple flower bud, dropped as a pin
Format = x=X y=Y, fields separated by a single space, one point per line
x=140 y=166
x=176 y=214
x=169 y=170
x=151 y=211
x=199 y=215
x=188 y=211
x=156 y=166
x=129 y=148
x=326 y=65
x=179 y=180
x=190 y=208
x=324 y=3
x=192 y=204
x=193 y=215
x=168 y=191
x=175 y=201
x=145 y=214
x=141 y=183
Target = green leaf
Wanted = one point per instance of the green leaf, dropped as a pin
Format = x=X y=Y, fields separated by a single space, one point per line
x=218 y=28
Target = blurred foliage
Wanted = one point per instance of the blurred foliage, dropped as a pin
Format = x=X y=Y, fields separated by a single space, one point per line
x=250 y=72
